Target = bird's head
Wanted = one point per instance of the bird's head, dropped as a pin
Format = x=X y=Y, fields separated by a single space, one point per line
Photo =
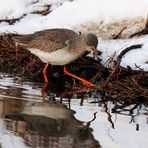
x=92 y=42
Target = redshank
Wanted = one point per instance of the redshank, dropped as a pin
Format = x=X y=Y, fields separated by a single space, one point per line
x=58 y=47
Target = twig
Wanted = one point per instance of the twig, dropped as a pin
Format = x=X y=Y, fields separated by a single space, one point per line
x=119 y=61
x=118 y=35
x=143 y=31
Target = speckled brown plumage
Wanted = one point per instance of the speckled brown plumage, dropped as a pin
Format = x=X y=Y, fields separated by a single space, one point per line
x=58 y=46
x=47 y=40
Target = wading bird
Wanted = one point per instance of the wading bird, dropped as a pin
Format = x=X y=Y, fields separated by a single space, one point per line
x=58 y=47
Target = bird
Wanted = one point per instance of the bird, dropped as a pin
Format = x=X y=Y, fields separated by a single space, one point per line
x=58 y=46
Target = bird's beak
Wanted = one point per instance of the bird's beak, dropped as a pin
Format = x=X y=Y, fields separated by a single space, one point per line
x=95 y=53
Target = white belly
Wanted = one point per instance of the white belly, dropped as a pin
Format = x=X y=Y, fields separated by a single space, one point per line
x=58 y=57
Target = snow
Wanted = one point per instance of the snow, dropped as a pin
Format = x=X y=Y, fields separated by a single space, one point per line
x=16 y=8
x=69 y=14
x=12 y=9
x=134 y=58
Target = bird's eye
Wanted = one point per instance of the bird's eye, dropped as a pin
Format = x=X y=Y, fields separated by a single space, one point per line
x=88 y=43
x=79 y=33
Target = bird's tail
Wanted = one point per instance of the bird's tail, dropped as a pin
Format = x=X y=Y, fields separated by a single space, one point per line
x=21 y=39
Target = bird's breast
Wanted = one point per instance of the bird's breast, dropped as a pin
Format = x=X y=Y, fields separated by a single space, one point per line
x=58 y=57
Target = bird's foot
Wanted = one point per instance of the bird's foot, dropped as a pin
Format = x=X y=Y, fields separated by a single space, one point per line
x=88 y=84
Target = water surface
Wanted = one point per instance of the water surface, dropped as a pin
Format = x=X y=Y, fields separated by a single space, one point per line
x=75 y=120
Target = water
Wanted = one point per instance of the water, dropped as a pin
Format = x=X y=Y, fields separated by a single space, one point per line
x=76 y=120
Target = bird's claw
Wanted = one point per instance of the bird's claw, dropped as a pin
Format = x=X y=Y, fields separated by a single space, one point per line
x=88 y=84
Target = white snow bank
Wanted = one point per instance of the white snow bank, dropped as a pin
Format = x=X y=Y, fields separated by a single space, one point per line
x=10 y=9
x=133 y=58
x=69 y=14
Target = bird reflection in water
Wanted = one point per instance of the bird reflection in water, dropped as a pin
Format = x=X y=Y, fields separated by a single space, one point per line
x=50 y=125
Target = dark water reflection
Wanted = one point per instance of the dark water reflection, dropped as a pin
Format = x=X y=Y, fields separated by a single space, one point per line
x=46 y=125
x=73 y=121
x=49 y=124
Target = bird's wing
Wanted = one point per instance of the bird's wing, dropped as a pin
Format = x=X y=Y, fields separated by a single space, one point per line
x=52 y=39
x=45 y=45
x=22 y=39
x=47 y=40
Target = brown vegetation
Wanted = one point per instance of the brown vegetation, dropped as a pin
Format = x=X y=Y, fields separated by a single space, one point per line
x=113 y=83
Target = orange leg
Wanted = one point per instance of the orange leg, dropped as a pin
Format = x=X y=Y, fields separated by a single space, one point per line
x=46 y=81
x=80 y=79
x=80 y=90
